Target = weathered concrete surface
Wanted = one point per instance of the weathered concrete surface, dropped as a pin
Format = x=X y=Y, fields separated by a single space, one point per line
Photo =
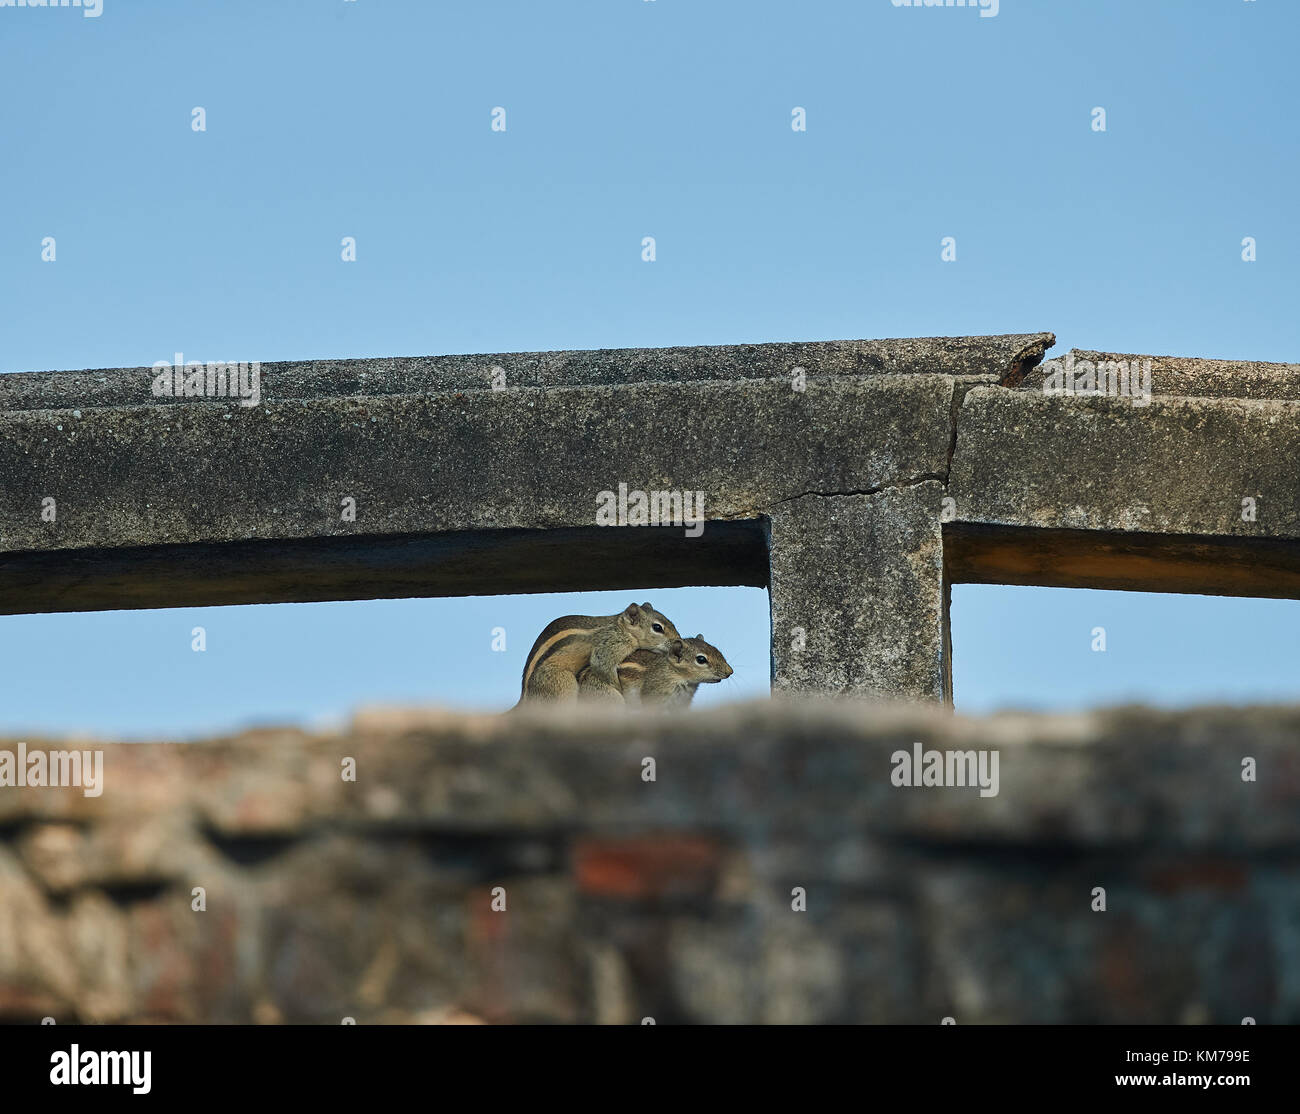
x=426 y=445
x=672 y=898
x=857 y=594
x=990 y=359
x=482 y=460
x=458 y=487
x=1181 y=376
x=1177 y=466
x=1191 y=492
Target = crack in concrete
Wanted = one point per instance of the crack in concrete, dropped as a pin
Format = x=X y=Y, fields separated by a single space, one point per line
x=954 y=409
x=897 y=484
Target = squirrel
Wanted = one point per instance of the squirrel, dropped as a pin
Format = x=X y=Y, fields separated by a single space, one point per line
x=670 y=679
x=594 y=644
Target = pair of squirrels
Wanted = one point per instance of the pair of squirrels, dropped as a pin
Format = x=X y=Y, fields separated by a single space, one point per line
x=634 y=656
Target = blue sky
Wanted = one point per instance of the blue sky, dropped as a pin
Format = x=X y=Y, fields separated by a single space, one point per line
x=625 y=119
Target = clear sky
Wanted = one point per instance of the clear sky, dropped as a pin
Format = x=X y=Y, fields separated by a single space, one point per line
x=625 y=119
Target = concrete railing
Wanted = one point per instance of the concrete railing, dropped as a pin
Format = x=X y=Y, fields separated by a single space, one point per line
x=856 y=480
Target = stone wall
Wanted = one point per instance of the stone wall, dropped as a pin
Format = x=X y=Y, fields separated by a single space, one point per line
x=673 y=898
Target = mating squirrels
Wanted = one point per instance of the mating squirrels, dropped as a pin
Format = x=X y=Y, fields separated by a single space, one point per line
x=670 y=679
x=594 y=644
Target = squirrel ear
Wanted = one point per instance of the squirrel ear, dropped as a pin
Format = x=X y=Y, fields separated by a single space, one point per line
x=632 y=611
x=699 y=638
x=675 y=648
x=647 y=607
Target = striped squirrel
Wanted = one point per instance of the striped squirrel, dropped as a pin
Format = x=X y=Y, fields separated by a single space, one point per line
x=596 y=644
x=671 y=679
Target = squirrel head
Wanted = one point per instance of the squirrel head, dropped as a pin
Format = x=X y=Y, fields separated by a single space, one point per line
x=651 y=630
x=698 y=661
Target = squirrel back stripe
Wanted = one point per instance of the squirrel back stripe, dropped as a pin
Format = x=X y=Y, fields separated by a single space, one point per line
x=544 y=649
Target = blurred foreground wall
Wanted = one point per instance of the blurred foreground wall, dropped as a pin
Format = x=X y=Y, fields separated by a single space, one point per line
x=769 y=873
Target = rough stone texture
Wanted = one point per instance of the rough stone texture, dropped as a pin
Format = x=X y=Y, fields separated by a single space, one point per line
x=1095 y=491
x=857 y=594
x=672 y=898
x=481 y=460
x=1179 y=466
x=1179 y=376
x=988 y=358
x=425 y=447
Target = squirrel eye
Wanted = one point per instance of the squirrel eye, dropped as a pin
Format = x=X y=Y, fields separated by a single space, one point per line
x=658 y=628
x=701 y=659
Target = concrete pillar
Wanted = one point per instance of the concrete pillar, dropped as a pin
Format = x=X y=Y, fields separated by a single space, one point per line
x=857 y=594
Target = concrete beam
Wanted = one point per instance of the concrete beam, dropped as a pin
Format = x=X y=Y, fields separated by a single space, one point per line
x=819 y=466
x=474 y=460
x=1180 y=466
x=458 y=487
x=903 y=466
x=1190 y=491
x=992 y=359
